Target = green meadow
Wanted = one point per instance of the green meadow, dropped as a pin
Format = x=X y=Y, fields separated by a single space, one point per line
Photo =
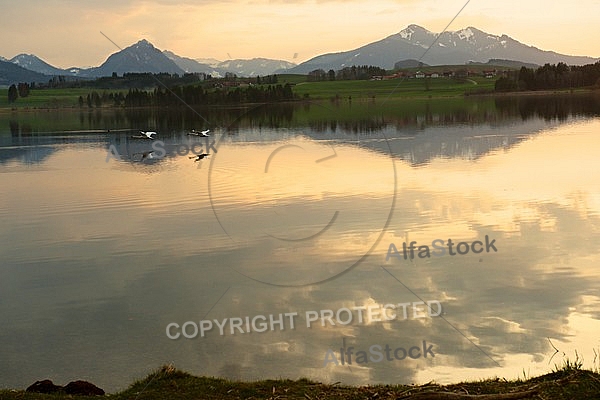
x=356 y=90
x=45 y=98
x=395 y=88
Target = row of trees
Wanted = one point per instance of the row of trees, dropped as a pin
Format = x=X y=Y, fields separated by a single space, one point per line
x=178 y=96
x=266 y=80
x=354 y=72
x=141 y=80
x=548 y=77
x=95 y=99
x=16 y=91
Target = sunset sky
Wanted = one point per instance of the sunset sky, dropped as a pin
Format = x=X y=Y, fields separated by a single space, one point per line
x=66 y=33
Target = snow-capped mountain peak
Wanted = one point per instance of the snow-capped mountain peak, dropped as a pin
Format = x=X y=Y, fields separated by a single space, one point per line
x=34 y=63
x=450 y=47
x=406 y=33
x=466 y=33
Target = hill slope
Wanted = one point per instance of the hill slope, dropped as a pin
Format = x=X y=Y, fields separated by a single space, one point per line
x=11 y=73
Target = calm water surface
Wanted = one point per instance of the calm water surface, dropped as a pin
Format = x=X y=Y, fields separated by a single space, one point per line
x=294 y=213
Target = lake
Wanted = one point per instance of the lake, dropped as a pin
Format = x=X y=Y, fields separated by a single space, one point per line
x=360 y=242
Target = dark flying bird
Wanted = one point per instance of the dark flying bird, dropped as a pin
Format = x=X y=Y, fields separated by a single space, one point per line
x=200 y=157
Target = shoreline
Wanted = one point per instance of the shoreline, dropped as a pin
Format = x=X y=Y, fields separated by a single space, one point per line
x=570 y=92
x=569 y=381
x=432 y=96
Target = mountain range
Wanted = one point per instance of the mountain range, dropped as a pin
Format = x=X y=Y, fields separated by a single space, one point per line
x=411 y=45
x=139 y=57
x=450 y=48
x=252 y=67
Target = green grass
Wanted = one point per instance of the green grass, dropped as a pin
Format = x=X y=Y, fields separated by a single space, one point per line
x=569 y=382
x=293 y=79
x=394 y=88
x=45 y=98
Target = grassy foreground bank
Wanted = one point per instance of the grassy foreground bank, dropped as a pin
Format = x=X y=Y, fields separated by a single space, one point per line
x=568 y=382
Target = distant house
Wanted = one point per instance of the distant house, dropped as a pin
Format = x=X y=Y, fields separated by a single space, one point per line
x=394 y=76
x=489 y=73
x=419 y=75
x=435 y=75
x=448 y=74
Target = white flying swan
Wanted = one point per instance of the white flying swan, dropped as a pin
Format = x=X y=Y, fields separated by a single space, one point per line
x=145 y=135
x=148 y=134
x=201 y=133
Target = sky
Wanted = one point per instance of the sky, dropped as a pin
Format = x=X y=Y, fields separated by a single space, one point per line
x=67 y=33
